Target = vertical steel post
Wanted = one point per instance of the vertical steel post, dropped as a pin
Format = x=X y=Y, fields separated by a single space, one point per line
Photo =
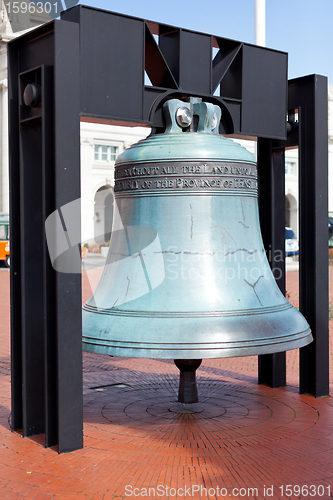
x=44 y=177
x=32 y=222
x=49 y=283
x=67 y=189
x=15 y=236
x=272 y=367
x=311 y=95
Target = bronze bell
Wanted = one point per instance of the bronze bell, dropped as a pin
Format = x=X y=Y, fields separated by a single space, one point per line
x=186 y=275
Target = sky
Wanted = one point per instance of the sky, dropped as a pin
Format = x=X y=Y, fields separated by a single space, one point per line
x=302 y=28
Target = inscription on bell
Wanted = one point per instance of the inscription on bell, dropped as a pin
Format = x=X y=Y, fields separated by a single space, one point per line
x=194 y=176
x=211 y=168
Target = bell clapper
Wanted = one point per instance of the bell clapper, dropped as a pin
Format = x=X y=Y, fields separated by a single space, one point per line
x=188 y=392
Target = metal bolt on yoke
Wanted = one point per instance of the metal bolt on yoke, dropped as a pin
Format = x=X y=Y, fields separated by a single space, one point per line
x=184 y=117
x=32 y=95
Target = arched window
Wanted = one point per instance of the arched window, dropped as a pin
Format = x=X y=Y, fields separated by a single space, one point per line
x=291 y=212
x=287 y=209
x=108 y=215
x=103 y=214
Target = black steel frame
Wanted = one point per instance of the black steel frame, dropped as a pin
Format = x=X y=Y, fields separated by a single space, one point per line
x=307 y=96
x=91 y=65
x=44 y=146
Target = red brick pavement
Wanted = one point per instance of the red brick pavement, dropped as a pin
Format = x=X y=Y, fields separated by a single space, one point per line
x=241 y=436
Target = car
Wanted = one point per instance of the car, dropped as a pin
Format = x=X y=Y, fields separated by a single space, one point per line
x=330 y=231
x=292 y=247
x=4 y=239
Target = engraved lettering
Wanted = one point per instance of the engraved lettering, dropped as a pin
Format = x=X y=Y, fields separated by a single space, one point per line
x=217 y=176
x=218 y=170
x=132 y=185
x=169 y=170
x=135 y=171
x=118 y=186
x=145 y=184
x=245 y=183
x=165 y=183
x=191 y=169
x=129 y=185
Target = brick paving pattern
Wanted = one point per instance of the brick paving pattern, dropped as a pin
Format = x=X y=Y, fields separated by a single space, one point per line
x=241 y=435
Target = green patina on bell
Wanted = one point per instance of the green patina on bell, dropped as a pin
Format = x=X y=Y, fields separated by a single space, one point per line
x=187 y=276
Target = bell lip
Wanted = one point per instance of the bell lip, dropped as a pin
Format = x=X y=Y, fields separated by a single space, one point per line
x=202 y=352
x=276 y=329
